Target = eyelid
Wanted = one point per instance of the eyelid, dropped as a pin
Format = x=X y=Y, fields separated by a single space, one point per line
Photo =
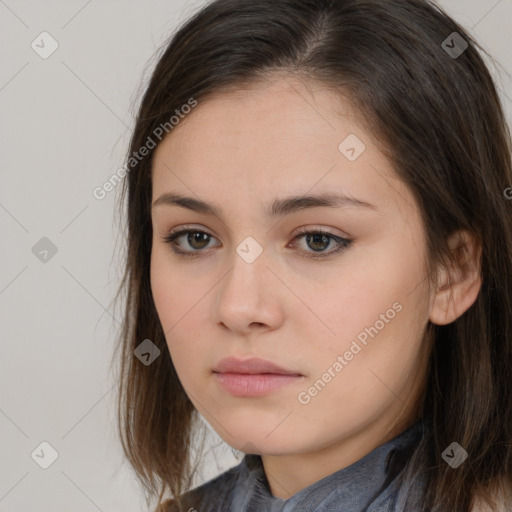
x=301 y=230
x=189 y=227
x=326 y=229
x=341 y=242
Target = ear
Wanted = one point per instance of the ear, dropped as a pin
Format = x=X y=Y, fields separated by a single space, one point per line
x=459 y=284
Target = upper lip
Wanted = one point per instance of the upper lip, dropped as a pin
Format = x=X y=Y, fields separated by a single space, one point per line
x=252 y=366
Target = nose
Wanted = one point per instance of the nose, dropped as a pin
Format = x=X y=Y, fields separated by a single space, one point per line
x=248 y=297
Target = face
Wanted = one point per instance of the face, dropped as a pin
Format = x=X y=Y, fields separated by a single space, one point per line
x=343 y=311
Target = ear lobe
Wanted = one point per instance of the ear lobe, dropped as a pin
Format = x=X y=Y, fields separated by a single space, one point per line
x=459 y=283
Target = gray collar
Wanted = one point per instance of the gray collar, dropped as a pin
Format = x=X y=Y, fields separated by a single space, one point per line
x=351 y=489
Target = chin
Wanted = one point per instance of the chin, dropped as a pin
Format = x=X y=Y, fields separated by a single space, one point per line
x=258 y=440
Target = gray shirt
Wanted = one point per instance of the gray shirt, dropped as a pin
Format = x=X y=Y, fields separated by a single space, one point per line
x=367 y=485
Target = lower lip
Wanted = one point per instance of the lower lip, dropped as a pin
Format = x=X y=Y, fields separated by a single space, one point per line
x=258 y=384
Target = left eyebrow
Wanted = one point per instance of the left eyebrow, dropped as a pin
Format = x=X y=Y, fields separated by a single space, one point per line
x=278 y=208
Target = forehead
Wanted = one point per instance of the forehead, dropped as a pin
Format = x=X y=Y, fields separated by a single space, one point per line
x=275 y=118
x=275 y=138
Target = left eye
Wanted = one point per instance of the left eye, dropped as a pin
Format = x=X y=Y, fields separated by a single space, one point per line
x=318 y=240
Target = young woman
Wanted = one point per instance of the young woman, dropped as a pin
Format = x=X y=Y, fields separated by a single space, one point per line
x=319 y=262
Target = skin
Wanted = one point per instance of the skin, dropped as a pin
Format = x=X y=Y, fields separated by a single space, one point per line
x=241 y=150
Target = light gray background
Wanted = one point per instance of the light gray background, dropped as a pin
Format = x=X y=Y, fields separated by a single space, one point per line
x=65 y=124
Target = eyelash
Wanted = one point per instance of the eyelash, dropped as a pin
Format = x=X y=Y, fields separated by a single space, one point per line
x=343 y=243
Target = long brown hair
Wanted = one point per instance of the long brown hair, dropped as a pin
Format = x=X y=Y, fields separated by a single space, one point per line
x=439 y=117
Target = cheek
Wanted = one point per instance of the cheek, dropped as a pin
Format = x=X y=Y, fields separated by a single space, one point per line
x=173 y=294
x=369 y=287
x=162 y=288
x=379 y=304
x=179 y=310
x=380 y=360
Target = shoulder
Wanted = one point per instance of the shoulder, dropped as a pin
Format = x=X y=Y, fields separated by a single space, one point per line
x=220 y=487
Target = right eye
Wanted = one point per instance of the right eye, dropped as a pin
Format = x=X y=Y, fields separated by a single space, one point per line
x=196 y=239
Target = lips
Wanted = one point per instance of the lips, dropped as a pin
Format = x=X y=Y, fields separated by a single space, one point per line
x=251 y=366
x=251 y=378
